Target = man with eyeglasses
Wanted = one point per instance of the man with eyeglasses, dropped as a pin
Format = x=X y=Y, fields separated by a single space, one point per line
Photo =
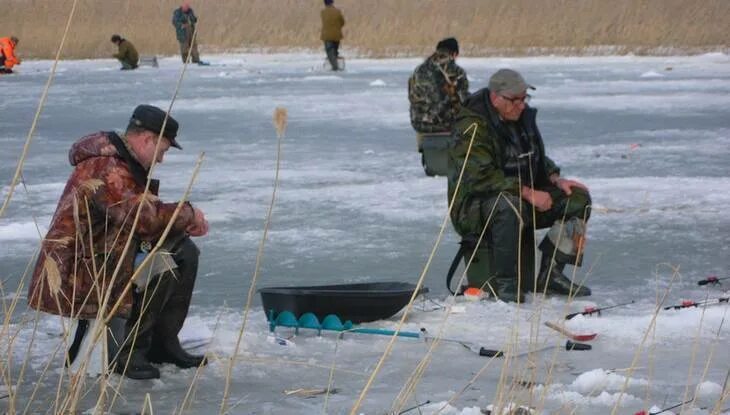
x=512 y=187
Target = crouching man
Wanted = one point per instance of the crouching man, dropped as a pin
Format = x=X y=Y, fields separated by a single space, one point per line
x=85 y=267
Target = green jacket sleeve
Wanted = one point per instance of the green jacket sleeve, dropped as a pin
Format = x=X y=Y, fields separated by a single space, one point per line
x=483 y=172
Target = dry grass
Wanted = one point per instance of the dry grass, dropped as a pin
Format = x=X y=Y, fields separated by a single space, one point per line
x=379 y=27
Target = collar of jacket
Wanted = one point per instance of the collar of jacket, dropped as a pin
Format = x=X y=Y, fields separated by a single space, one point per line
x=138 y=171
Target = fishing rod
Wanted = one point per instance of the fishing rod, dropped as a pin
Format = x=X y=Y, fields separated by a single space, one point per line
x=690 y=303
x=712 y=280
x=661 y=411
x=587 y=311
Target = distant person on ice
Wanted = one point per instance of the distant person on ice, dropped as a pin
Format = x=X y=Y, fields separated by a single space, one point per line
x=7 y=54
x=86 y=242
x=127 y=54
x=332 y=22
x=508 y=171
x=436 y=90
x=184 y=20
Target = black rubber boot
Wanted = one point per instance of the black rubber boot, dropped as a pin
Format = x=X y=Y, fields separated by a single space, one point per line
x=172 y=352
x=165 y=343
x=506 y=289
x=551 y=274
x=132 y=359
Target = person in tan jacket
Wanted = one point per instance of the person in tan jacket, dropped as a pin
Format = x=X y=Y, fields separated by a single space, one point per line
x=332 y=22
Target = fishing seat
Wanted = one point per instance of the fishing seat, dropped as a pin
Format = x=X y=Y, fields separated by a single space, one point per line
x=434 y=149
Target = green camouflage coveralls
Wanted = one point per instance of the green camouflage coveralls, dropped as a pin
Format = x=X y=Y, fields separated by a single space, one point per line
x=504 y=156
x=436 y=90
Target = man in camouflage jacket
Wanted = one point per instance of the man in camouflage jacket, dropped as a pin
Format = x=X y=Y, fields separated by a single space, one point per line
x=85 y=267
x=508 y=176
x=437 y=89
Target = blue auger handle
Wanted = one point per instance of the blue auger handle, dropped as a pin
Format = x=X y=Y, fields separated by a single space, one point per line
x=384 y=332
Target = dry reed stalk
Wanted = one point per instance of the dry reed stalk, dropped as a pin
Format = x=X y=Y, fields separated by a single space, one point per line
x=409 y=387
x=280 y=121
x=189 y=392
x=419 y=284
x=386 y=27
x=710 y=356
x=44 y=96
x=652 y=323
x=331 y=377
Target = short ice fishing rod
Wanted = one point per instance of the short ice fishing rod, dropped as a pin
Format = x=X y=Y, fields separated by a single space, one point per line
x=483 y=351
x=712 y=280
x=587 y=311
x=690 y=303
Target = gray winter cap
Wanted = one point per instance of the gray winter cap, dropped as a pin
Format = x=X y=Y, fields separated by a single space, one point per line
x=509 y=81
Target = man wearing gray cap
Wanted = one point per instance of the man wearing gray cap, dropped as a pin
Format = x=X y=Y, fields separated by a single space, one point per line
x=104 y=226
x=511 y=187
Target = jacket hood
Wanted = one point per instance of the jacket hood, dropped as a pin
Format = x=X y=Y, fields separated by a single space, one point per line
x=92 y=145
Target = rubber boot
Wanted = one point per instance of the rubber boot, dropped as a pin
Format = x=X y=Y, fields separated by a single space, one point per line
x=551 y=274
x=166 y=346
x=506 y=289
x=132 y=359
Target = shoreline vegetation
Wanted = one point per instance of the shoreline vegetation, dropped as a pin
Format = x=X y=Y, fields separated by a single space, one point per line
x=380 y=28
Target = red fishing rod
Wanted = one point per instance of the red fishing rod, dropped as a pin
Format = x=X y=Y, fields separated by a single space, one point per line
x=712 y=280
x=690 y=303
x=587 y=311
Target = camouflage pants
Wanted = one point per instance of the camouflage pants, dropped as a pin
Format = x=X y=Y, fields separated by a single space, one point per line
x=503 y=232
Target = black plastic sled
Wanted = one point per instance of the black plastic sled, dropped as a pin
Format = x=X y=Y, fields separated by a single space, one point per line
x=355 y=302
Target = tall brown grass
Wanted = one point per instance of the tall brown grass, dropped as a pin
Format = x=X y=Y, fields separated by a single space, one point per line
x=379 y=27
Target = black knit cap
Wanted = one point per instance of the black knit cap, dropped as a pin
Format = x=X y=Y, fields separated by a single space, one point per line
x=151 y=118
x=449 y=44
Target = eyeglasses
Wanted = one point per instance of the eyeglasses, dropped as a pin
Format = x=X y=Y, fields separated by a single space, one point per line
x=518 y=100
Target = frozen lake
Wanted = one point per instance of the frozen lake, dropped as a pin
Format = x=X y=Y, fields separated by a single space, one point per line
x=649 y=136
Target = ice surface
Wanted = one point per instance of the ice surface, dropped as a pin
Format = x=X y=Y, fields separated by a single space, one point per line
x=355 y=206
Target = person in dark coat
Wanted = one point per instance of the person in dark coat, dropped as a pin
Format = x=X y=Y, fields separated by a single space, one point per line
x=185 y=21
x=127 y=54
x=97 y=261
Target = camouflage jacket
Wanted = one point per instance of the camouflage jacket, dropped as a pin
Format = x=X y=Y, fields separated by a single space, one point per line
x=496 y=161
x=436 y=90
x=184 y=23
x=91 y=225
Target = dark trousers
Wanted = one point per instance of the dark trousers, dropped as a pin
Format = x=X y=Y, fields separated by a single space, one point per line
x=191 y=47
x=503 y=232
x=161 y=309
x=332 y=49
x=3 y=69
x=127 y=65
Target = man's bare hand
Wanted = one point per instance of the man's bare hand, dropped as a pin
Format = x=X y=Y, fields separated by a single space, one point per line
x=541 y=200
x=199 y=227
x=566 y=185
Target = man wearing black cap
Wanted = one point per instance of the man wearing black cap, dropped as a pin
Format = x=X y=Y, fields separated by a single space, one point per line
x=92 y=262
x=511 y=186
